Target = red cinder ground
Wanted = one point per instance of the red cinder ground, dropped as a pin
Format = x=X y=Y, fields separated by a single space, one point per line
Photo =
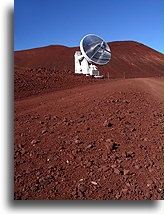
x=78 y=138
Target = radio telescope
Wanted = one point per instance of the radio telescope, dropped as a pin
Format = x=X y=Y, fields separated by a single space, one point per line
x=93 y=49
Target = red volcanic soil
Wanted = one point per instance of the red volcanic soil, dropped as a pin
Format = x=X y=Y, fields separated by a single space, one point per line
x=91 y=142
x=78 y=138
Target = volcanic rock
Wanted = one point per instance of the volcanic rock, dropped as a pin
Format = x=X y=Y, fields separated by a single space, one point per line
x=107 y=124
x=125 y=171
x=82 y=187
x=117 y=171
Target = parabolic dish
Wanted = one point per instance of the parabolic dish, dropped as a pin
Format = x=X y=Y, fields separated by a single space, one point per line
x=95 y=49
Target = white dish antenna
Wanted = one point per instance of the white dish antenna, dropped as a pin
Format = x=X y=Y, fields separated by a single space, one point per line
x=93 y=49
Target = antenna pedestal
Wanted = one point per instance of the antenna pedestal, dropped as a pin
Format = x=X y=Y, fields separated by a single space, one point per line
x=93 y=70
x=82 y=66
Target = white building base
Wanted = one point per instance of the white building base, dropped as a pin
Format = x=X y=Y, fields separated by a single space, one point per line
x=83 y=67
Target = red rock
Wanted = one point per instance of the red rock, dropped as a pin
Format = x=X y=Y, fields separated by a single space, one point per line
x=104 y=157
x=89 y=146
x=47 y=117
x=137 y=166
x=37 y=173
x=34 y=142
x=44 y=131
x=125 y=171
x=117 y=171
x=108 y=146
x=128 y=184
x=65 y=119
x=82 y=187
x=119 y=161
x=124 y=191
x=110 y=190
x=113 y=166
x=104 y=168
x=107 y=124
x=118 y=195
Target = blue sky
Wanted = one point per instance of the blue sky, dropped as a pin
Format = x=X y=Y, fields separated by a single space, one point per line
x=40 y=23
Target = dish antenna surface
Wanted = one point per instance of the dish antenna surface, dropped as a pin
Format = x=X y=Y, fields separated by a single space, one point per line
x=93 y=49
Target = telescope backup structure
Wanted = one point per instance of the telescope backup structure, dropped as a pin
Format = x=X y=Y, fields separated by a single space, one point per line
x=95 y=50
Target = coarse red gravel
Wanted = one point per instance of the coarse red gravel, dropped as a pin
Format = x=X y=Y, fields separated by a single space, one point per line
x=101 y=141
x=79 y=138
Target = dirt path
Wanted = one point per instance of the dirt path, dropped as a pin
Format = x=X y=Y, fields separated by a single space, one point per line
x=101 y=141
x=153 y=85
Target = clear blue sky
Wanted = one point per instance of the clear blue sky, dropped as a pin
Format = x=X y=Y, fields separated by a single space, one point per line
x=40 y=23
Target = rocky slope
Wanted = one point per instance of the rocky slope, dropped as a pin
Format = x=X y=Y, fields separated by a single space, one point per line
x=98 y=142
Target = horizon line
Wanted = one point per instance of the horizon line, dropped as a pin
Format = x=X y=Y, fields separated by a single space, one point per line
x=79 y=46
